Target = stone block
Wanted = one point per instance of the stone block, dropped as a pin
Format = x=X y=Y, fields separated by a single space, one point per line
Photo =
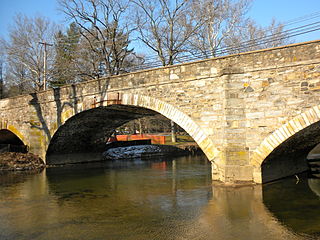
x=236 y=174
x=255 y=115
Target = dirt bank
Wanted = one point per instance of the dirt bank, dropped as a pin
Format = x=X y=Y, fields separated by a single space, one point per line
x=11 y=161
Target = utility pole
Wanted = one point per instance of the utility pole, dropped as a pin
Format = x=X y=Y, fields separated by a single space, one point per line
x=45 y=44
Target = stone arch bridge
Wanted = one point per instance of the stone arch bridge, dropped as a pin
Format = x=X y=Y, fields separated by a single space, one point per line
x=255 y=115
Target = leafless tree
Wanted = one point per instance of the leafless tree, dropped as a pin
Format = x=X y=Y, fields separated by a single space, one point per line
x=220 y=19
x=1 y=70
x=25 y=54
x=165 y=26
x=254 y=37
x=227 y=29
x=149 y=124
x=106 y=33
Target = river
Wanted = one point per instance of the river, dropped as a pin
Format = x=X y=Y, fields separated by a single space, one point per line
x=153 y=200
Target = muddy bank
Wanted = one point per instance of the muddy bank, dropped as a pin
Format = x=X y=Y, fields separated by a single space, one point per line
x=143 y=152
x=11 y=161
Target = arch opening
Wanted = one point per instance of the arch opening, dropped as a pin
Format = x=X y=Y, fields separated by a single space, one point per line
x=290 y=157
x=10 y=142
x=86 y=133
x=313 y=160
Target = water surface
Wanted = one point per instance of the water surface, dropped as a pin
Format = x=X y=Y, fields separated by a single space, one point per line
x=137 y=200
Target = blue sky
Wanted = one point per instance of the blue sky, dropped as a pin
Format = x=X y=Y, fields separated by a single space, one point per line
x=262 y=11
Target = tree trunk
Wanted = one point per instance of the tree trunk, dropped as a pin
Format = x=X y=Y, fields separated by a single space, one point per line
x=140 y=126
x=173 y=132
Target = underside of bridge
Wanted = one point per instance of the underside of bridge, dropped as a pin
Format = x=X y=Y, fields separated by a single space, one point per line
x=8 y=137
x=87 y=131
x=9 y=142
x=290 y=157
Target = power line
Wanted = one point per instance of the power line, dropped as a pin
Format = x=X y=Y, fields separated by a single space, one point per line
x=302 y=19
x=247 y=44
x=262 y=40
x=287 y=23
x=152 y=61
x=226 y=50
x=274 y=37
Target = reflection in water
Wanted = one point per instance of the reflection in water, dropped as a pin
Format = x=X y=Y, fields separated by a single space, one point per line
x=238 y=213
x=139 y=200
x=314 y=185
x=295 y=203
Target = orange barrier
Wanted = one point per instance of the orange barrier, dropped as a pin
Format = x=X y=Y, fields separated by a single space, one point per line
x=122 y=138
x=154 y=138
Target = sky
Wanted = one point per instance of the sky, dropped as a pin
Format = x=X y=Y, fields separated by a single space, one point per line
x=285 y=10
x=262 y=11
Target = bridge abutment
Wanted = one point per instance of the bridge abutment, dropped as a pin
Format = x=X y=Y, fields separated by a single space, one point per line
x=232 y=167
x=233 y=174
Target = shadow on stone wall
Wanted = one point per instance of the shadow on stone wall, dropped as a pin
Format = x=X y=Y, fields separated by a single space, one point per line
x=71 y=102
x=43 y=125
x=60 y=106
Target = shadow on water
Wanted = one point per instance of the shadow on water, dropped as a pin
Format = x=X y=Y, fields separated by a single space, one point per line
x=12 y=177
x=295 y=203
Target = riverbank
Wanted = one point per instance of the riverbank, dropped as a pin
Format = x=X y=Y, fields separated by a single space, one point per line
x=11 y=161
x=143 y=152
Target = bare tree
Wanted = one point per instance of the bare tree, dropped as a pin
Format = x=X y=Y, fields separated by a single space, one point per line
x=89 y=61
x=25 y=54
x=226 y=29
x=102 y=25
x=149 y=124
x=165 y=26
x=254 y=37
x=1 y=70
x=220 y=18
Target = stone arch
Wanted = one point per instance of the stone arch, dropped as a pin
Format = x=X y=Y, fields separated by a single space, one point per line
x=13 y=131
x=180 y=118
x=282 y=134
x=12 y=140
x=8 y=137
x=166 y=109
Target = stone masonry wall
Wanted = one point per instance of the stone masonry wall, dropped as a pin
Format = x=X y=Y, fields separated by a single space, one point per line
x=229 y=105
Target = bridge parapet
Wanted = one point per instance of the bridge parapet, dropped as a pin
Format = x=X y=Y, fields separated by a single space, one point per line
x=229 y=105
